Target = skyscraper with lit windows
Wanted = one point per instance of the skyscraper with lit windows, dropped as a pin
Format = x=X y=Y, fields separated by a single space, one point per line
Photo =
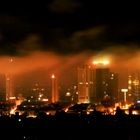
x=9 y=86
x=106 y=84
x=114 y=86
x=86 y=87
x=133 y=87
x=102 y=83
x=95 y=82
x=54 y=95
x=2 y=87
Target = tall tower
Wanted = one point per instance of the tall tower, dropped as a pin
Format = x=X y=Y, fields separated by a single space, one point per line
x=101 y=79
x=54 y=95
x=9 y=86
x=102 y=83
x=134 y=87
x=114 y=86
x=2 y=87
x=106 y=82
x=85 y=84
x=9 y=81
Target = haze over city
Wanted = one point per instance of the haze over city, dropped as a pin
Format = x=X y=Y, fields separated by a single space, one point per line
x=51 y=85
x=55 y=37
x=38 y=66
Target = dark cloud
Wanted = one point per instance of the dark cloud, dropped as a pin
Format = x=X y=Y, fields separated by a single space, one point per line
x=29 y=45
x=12 y=28
x=101 y=38
x=66 y=27
x=64 y=6
x=57 y=36
x=95 y=39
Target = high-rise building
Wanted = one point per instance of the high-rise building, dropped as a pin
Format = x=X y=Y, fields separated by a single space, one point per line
x=114 y=86
x=2 y=87
x=106 y=81
x=102 y=83
x=54 y=95
x=106 y=84
x=86 y=92
x=9 y=81
x=133 y=87
x=9 y=86
x=97 y=82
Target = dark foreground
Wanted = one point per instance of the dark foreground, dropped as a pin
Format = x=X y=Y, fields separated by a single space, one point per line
x=70 y=127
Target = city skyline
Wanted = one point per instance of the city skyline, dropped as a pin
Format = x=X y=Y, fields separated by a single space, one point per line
x=50 y=75
x=57 y=36
x=55 y=64
x=67 y=76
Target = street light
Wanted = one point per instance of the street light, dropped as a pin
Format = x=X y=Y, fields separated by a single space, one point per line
x=124 y=91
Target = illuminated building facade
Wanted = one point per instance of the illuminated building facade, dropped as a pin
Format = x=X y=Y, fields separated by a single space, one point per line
x=114 y=86
x=106 y=81
x=54 y=95
x=86 y=87
x=134 y=87
x=106 y=84
x=9 y=87
x=9 y=81
x=38 y=91
x=2 y=87
x=102 y=83
x=97 y=82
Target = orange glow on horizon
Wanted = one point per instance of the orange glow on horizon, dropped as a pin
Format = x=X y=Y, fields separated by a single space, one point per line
x=64 y=66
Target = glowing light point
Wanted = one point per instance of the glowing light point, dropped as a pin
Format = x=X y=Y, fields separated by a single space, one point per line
x=11 y=60
x=53 y=76
x=124 y=91
x=104 y=62
x=68 y=94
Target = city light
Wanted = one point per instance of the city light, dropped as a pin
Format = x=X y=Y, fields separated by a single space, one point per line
x=53 y=76
x=124 y=91
x=68 y=94
x=13 y=110
x=103 y=62
x=45 y=100
x=11 y=60
x=12 y=98
x=54 y=95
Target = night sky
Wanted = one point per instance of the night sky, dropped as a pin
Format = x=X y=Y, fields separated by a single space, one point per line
x=55 y=36
x=66 y=26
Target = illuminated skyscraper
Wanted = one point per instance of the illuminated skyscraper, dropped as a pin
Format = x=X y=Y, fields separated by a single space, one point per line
x=85 y=84
x=9 y=81
x=2 y=87
x=106 y=82
x=97 y=82
x=9 y=86
x=102 y=83
x=54 y=95
x=114 y=86
x=134 y=86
